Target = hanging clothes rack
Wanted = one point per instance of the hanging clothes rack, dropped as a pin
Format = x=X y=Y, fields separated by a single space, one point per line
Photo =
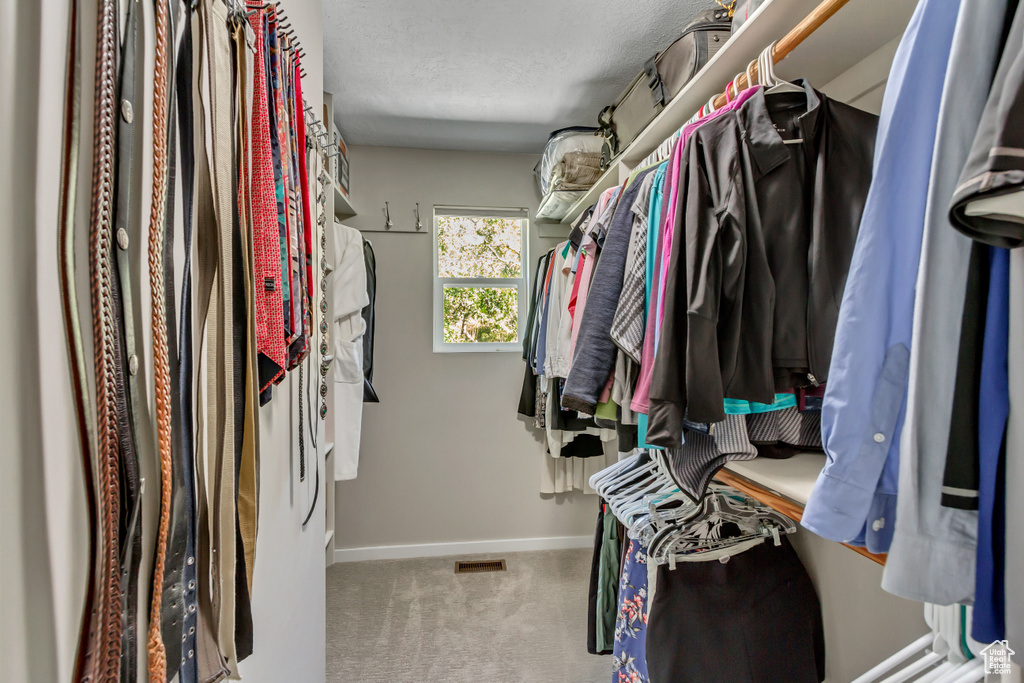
x=799 y=33
x=811 y=23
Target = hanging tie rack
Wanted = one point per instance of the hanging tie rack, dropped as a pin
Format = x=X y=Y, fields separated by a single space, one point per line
x=294 y=45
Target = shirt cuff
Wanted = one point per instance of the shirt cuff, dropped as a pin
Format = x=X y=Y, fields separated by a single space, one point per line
x=581 y=405
x=828 y=510
x=930 y=569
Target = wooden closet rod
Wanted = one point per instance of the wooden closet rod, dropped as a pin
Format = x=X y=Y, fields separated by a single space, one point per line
x=789 y=42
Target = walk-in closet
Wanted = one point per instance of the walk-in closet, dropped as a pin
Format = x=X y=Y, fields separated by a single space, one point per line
x=448 y=341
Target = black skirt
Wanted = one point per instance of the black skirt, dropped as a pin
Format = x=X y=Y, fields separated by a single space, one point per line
x=754 y=619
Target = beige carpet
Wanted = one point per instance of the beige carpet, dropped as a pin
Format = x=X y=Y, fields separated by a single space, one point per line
x=416 y=621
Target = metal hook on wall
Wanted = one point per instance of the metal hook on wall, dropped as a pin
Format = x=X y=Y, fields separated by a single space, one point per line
x=416 y=212
x=387 y=217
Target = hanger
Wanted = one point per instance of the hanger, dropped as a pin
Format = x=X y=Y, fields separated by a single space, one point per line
x=767 y=66
x=689 y=540
x=641 y=494
x=610 y=471
x=774 y=84
x=630 y=486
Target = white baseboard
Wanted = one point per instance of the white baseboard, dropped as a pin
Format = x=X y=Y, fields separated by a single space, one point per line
x=510 y=545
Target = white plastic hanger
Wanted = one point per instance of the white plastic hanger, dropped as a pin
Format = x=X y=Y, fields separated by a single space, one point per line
x=776 y=86
x=969 y=672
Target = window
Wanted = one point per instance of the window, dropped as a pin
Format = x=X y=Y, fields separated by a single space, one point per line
x=480 y=293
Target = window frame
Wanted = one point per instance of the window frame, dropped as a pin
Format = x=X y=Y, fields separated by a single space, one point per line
x=520 y=284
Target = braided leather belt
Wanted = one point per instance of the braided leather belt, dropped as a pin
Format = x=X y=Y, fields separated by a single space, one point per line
x=161 y=368
x=105 y=349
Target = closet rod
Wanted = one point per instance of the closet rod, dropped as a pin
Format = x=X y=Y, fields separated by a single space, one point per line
x=811 y=23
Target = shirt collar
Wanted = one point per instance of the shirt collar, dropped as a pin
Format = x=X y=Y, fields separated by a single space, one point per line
x=766 y=146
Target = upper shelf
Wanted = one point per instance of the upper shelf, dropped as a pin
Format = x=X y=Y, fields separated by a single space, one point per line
x=793 y=477
x=342 y=204
x=856 y=31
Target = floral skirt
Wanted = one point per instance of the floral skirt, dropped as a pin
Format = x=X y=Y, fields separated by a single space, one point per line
x=630 y=660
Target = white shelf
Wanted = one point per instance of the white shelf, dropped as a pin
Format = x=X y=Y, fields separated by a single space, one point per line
x=342 y=204
x=328 y=537
x=791 y=478
x=855 y=32
x=328 y=449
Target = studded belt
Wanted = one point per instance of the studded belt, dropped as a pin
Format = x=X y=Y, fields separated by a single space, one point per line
x=127 y=361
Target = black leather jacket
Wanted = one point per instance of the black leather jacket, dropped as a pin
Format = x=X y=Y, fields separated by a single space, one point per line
x=762 y=244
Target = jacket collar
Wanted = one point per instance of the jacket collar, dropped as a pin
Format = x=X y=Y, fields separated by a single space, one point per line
x=766 y=146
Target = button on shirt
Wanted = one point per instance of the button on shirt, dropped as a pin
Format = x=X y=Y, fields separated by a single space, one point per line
x=868 y=375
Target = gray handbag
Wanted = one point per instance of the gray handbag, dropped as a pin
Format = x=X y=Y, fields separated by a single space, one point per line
x=664 y=75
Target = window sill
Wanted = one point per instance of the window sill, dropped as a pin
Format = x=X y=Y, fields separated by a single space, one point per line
x=482 y=347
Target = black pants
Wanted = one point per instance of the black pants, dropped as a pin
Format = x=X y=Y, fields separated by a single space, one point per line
x=753 y=619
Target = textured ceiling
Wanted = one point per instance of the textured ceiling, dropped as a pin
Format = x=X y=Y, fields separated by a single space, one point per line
x=482 y=74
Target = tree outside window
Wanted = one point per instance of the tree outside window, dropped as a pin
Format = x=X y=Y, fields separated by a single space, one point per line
x=479 y=278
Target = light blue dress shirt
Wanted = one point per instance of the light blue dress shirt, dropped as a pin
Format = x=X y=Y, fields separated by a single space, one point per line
x=933 y=553
x=854 y=498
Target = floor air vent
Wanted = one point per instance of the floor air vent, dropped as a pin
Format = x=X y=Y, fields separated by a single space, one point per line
x=477 y=567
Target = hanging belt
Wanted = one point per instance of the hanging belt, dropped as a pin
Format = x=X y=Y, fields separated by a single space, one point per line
x=105 y=348
x=88 y=657
x=161 y=368
x=182 y=416
x=173 y=608
x=127 y=360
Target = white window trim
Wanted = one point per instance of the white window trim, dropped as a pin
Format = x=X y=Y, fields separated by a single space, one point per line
x=520 y=283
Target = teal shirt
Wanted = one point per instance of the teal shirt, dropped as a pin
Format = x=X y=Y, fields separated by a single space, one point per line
x=653 y=234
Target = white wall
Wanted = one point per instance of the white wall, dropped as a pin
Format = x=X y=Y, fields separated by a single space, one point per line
x=41 y=488
x=27 y=619
x=444 y=457
x=863 y=623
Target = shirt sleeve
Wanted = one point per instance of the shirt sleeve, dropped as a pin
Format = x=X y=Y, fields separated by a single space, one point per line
x=594 y=358
x=667 y=401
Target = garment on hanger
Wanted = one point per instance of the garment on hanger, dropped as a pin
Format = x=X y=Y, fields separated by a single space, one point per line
x=988 y=204
x=735 y=618
x=350 y=298
x=630 y=650
x=990 y=156
x=862 y=414
x=594 y=356
x=659 y=248
x=576 y=447
x=370 y=265
x=595 y=582
x=608 y=573
x=791 y=258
